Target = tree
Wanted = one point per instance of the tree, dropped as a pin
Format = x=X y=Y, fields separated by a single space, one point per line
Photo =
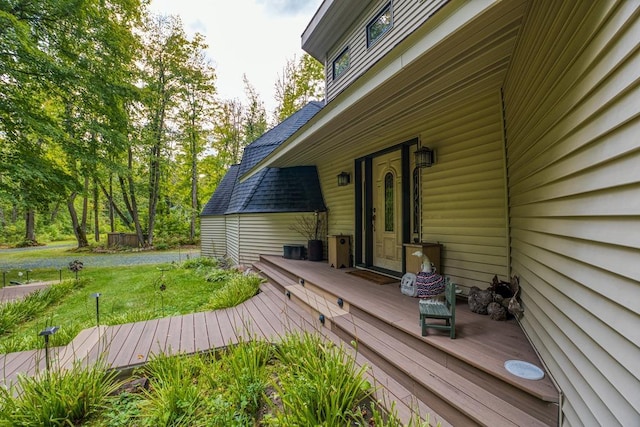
x=165 y=53
x=255 y=115
x=194 y=118
x=61 y=67
x=227 y=131
x=299 y=84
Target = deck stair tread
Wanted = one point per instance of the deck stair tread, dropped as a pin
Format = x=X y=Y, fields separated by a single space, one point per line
x=388 y=389
x=467 y=371
x=478 y=403
x=388 y=304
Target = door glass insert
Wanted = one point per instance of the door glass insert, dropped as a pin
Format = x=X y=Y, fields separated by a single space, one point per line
x=389 y=198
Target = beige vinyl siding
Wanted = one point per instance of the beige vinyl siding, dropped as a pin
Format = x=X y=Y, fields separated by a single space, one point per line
x=213 y=236
x=408 y=15
x=266 y=234
x=463 y=193
x=232 y=224
x=339 y=200
x=572 y=126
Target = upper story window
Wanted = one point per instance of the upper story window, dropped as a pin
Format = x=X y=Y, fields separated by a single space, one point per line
x=341 y=63
x=380 y=25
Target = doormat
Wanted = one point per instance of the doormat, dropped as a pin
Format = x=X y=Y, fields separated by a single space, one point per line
x=376 y=278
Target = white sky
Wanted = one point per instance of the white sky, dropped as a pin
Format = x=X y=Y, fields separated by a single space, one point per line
x=252 y=37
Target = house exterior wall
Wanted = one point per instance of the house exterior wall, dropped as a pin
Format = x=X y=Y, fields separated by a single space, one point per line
x=265 y=234
x=408 y=15
x=572 y=126
x=232 y=226
x=213 y=236
x=464 y=192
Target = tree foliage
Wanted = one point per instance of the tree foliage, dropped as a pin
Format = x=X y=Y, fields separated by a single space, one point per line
x=300 y=83
x=112 y=112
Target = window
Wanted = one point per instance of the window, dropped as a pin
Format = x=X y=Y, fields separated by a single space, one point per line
x=341 y=63
x=388 y=202
x=416 y=200
x=380 y=25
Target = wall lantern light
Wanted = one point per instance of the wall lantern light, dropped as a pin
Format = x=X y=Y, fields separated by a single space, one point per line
x=424 y=157
x=343 y=179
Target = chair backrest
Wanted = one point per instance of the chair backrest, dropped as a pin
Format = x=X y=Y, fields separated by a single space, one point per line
x=450 y=295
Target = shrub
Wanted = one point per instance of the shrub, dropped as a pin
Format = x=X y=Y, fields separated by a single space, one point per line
x=322 y=385
x=175 y=398
x=236 y=290
x=200 y=262
x=58 y=397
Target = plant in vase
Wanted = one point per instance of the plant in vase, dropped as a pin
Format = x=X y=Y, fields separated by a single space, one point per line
x=311 y=227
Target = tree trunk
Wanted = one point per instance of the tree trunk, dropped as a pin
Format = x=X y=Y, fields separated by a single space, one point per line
x=30 y=226
x=112 y=206
x=54 y=212
x=96 y=210
x=194 y=185
x=85 y=203
x=78 y=230
x=131 y=203
x=3 y=223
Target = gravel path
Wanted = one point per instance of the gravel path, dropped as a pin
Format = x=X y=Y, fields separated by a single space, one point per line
x=101 y=260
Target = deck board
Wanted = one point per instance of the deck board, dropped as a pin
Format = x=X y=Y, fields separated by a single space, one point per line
x=140 y=352
x=159 y=341
x=172 y=345
x=227 y=332
x=213 y=330
x=129 y=344
x=201 y=336
x=187 y=335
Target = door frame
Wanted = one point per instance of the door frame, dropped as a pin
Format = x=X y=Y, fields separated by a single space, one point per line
x=363 y=244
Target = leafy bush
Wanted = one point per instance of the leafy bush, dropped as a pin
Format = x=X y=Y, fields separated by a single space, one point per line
x=236 y=290
x=322 y=385
x=200 y=262
x=59 y=397
x=175 y=398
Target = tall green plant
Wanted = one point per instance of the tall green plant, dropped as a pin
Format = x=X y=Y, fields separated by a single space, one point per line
x=58 y=397
x=322 y=385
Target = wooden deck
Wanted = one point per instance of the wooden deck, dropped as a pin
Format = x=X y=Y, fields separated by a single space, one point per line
x=471 y=367
x=267 y=316
x=14 y=292
x=457 y=382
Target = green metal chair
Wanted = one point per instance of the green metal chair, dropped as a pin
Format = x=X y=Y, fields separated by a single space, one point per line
x=440 y=310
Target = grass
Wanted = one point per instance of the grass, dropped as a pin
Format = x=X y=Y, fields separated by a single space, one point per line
x=128 y=294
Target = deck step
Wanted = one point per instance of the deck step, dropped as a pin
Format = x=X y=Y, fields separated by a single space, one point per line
x=445 y=390
x=451 y=384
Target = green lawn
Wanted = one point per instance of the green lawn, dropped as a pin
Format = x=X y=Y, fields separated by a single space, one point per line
x=128 y=294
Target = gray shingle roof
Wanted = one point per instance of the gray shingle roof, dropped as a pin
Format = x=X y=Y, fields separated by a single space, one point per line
x=270 y=140
x=294 y=189
x=219 y=202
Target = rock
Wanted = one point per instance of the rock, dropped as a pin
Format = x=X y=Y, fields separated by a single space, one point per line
x=496 y=311
x=478 y=301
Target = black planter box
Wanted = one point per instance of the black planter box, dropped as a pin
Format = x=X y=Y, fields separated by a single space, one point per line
x=293 y=252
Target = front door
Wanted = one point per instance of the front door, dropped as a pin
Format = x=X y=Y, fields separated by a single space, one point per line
x=387 y=211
